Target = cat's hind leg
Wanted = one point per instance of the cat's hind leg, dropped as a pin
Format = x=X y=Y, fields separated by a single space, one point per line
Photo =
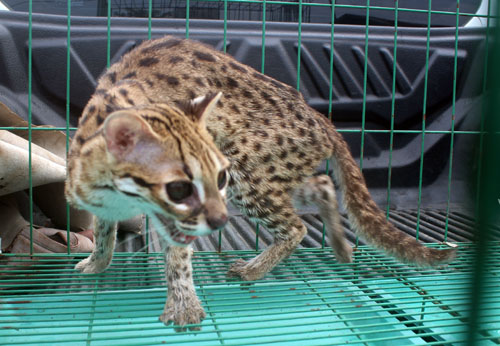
x=288 y=231
x=320 y=191
x=100 y=258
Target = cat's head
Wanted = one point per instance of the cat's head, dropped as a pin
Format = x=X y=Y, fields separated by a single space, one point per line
x=164 y=158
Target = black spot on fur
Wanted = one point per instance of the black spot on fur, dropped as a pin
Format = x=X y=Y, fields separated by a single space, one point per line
x=149 y=61
x=169 y=43
x=267 y=158
x=199 y=81
x=290 y=165
x=149 y=82
x=271 y=170
x=173 y=81
x=277 y=84
x=279 y=140
x=279 y=179
x=99 y=120
x=204 y=56
x=257 y=146
x=235 y=109
x=266 y=122
x=268 y=98
x=130 y=75
x=283 y=154
x=247 y=93
x=232 y=83
x=244 y=140
x=223 y=68
x=92 y=109
x=260 y=76
x=299 y=116
x=109 y=109
x=175 y=59
x=311 y=122
x=237 y=67
x=80 y=139
x=123 y=92
x=112 y=77
x=302 y=132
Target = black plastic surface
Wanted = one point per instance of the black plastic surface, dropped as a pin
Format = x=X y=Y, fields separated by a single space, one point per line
x=244 y=39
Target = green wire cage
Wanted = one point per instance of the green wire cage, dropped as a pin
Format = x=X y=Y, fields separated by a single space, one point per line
x=308 y=299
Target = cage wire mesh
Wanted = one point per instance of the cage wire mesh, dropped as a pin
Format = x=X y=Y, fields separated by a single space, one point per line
x=308 y=298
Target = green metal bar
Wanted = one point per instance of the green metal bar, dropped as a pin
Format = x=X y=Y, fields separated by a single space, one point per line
x=108 y=45
x=481 y=128
x=453 y=113
x=424 y=115
x=150 y=16
x=188 y=5
x=489 y=202
x=68 y=103
x=225 y=26
x=263 y=44
x=299 y=47
x=393 y=106
x=330 y=101
x=365 y=82
x=30 y=86
x=150 y=24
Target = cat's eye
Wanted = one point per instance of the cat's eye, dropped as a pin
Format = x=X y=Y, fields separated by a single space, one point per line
x=179 y=190
x=222 y=179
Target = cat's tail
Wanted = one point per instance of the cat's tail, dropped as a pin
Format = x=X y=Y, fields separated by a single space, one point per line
x=370 y=222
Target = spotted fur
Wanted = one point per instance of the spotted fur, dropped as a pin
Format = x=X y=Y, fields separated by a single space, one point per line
x=176 y=110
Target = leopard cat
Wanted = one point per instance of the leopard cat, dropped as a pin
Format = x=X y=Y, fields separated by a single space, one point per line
x=175 y=126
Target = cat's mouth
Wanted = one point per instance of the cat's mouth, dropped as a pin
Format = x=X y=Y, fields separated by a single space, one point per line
x=180 y=237
x=174 y=234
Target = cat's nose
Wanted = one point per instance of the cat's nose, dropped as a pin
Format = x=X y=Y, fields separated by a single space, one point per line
x=217 y=222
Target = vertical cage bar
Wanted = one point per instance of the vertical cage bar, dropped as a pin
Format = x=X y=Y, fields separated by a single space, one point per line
x=393 y=106
x=453 y=113
x=150 y=16
x=187 y=18
x=108 y=45
x=150 y=24
x=330 y=99
x=424 y=115
x=489 y=186
x=263 y=44
x=68 y=95
x=30 y=81
x=365 y=82
x=299 y=47
x=481 y=128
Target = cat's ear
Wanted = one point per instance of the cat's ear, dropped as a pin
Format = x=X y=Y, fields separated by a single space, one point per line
x=200 y=107
x=123 y=131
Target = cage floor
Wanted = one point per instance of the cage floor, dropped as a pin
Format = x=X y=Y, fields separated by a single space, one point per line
x=308 y=299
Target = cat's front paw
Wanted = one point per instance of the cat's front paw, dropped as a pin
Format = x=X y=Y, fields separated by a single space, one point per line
x=181 y=313
x=91 y=266
x=243 y=270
